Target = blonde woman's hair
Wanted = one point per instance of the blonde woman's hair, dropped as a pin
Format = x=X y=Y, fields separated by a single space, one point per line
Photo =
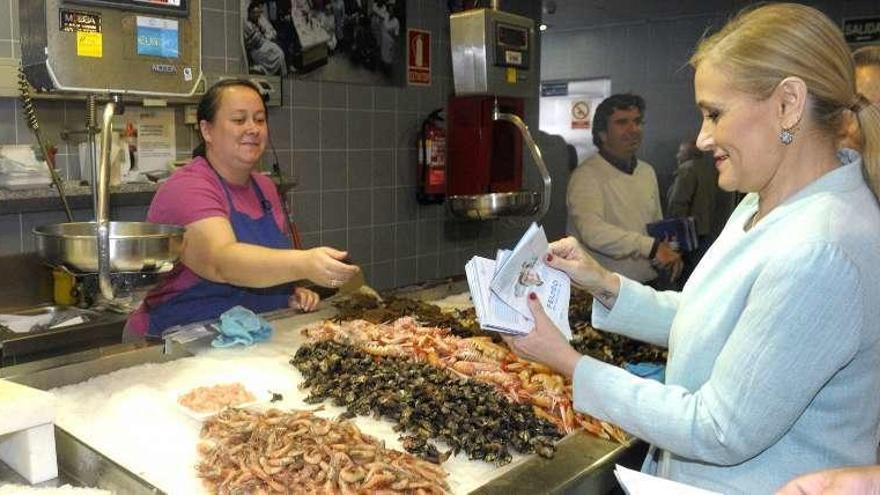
x=762 y=46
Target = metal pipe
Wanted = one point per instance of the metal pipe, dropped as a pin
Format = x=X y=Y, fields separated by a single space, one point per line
x=533 y=148
x=102 y=205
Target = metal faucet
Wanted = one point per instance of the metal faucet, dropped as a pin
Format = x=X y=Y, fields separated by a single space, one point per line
x=497 y=114
x=102 y=204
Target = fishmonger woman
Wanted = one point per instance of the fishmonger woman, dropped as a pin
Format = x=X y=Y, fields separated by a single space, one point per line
x=237 y=249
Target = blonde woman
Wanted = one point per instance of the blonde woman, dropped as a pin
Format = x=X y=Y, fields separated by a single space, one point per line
x=774 y=342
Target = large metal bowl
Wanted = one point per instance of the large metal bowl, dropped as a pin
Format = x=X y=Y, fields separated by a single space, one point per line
x=134 y=246
x=494 y=205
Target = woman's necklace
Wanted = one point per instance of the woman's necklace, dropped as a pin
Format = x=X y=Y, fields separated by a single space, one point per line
x=754 y=220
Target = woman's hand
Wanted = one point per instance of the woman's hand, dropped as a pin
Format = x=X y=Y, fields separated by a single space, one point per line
x=304 y=300
x=863 y=480
x=569 y=256
x=324 y=266
x=545 y=344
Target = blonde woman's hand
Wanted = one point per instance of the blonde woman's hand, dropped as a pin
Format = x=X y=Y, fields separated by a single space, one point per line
x=862 y=480
x=304 y=300
x=545 y=343
x=568 y=255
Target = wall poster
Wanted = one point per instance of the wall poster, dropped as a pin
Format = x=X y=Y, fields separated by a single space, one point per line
x=352 y=41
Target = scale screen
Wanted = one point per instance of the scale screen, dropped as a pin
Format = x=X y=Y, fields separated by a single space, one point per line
x=157 y=37
x=166 y=7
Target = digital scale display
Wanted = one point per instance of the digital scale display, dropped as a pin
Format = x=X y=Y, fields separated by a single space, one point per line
x=157 y=37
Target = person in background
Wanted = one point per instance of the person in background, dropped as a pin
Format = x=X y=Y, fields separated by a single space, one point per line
x=695 y=193
x=613 y=195
x=237 y=248
x=860 y=480
x=867 y=60
x=265 y=55
x=774 y=342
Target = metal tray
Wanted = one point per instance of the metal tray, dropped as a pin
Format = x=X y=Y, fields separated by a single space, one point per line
x=494 y=205
x=134 y=246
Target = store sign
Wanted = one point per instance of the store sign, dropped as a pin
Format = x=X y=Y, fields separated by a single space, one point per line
x=864 y=30
x=418 y=66
x=554 y=89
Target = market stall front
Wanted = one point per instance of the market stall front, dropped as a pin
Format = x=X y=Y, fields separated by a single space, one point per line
x=120 y=427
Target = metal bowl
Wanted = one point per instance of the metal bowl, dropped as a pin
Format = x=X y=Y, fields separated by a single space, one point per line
x=134 y=246
x=494 y=205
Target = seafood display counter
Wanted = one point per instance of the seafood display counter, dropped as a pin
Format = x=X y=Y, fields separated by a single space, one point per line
x=120 y=427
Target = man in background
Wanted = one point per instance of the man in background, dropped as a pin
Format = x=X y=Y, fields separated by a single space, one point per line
x=695 y=193
x=613 y=195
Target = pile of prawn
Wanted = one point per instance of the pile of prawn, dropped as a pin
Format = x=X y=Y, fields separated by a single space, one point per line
x=245 y=451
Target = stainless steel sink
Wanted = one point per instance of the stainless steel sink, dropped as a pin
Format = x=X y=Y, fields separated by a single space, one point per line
x=99 y=329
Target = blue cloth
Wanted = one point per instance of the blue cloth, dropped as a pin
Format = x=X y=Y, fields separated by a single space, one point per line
x=774 y=347
x=240 y=325
x=207 y=299
x=654 y=371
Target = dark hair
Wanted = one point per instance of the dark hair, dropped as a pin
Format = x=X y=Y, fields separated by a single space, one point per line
x=867 y=56
x=254 y=4
x=210 y=102
x=608 y=106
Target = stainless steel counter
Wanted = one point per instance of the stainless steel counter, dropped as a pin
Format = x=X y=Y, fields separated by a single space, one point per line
x=583 y=463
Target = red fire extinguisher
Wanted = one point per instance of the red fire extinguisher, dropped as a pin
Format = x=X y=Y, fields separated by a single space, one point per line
x=431 y=146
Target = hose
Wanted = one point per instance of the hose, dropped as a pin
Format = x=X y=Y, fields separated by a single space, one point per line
x=30 y=116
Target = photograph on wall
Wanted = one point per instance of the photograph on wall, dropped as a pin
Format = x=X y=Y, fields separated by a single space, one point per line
x=353 y=41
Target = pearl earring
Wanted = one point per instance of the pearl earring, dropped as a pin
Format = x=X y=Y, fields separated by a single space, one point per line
x=786 y=136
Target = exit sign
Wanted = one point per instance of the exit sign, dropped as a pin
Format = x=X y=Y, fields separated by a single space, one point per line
x=863 y=30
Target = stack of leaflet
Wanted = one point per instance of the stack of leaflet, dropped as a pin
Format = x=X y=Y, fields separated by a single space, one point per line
x=500 y=288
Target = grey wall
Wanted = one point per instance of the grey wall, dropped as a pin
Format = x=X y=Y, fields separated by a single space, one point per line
x=351 y=147
x=649 y=57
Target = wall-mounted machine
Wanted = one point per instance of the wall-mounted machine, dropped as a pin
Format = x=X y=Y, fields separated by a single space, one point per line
x=494 y=70
x=143 y=47
x=109 y=48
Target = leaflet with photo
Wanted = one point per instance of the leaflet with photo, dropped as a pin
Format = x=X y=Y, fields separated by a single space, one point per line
x=500 y=288
x=501 y=318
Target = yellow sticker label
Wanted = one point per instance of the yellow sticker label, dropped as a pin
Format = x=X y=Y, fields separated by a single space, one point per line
x=511 y=75
x=89 y=44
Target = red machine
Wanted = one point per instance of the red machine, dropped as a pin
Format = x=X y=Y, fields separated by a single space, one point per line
x=476 y=139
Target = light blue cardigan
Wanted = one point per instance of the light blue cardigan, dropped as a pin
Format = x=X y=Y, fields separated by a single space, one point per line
x=774 y=347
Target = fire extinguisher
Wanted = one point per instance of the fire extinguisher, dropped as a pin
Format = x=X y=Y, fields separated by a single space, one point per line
x=431 y=146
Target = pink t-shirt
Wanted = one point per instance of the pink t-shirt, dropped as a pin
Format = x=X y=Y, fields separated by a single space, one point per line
x=191 y=194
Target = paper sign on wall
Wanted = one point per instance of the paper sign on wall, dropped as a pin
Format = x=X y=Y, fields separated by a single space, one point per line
x=155 y=139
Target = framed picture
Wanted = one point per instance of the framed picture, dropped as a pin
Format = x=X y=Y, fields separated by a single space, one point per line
x=353 y=41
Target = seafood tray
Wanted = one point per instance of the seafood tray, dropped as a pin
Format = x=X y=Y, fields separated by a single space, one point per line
x=99 y=445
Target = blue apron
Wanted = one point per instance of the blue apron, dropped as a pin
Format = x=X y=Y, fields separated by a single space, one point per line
x=208 y=300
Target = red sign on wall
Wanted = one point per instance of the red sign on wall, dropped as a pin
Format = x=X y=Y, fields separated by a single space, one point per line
x=418 y=65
